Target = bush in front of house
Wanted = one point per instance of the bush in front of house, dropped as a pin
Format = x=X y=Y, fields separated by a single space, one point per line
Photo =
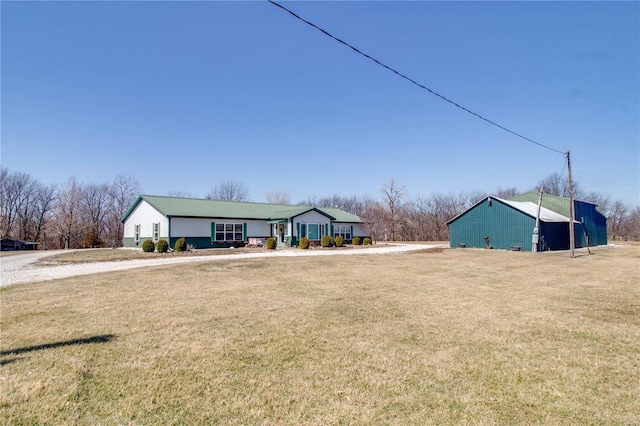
x=326 y=241
x=181 y=245
x=339 y=241
x=366 y=241
x=355 y=241
x=304 y=243
x=162 y=246
x=271 y=243
x=148 y=246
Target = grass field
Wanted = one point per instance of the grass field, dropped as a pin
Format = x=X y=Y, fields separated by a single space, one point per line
x=438 y=337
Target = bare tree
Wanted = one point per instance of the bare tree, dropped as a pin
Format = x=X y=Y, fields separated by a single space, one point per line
x=16 y=193
x=277 y=196
x=507 y=193
x=602 y=202
x=67 y=221
x=618 y=215
x=229 y=190
x=375 y=220
x=44 y=202
x=393 y=196
x=418 y=211
x=181 y=194
x=123 y=192
x=442 y=208
x=96 y=206
x=633 y=224
x=353 y=204
x=554 y=184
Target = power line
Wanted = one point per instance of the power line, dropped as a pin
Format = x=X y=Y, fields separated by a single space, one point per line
x=564 y=165
x=413 y=81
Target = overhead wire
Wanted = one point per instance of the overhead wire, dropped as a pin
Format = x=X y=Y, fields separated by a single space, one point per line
x=564 y=166
x=413 y=81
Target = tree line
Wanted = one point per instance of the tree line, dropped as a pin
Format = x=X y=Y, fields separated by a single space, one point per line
x=396 y=216
x=80 y=215
x=72 y=215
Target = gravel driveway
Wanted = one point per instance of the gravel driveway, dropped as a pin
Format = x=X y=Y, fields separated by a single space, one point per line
x=23 y=269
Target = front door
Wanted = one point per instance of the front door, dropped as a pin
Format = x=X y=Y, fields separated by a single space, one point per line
x=314 y=233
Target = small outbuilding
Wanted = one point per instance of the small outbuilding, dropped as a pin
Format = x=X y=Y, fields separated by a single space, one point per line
x=11 y=244
x=505 y=224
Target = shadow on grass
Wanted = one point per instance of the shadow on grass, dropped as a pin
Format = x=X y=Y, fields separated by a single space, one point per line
x=9 y=361
x=104 y=338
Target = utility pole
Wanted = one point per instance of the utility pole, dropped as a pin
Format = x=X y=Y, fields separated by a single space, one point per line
x=536 y=231
x=572 y=240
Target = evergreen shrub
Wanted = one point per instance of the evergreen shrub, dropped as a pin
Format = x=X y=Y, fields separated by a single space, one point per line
x=304 y=243
x=271 y=243
x=339 y=241
x=148 y=246
x=181 y=245
x=326 y=241
x=162 y=246
x=355 y=241
x=366 y=241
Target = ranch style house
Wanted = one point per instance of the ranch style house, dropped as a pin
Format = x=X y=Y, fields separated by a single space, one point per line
x=218 y=224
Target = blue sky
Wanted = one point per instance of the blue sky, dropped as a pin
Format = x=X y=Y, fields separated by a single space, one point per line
x=184 y=95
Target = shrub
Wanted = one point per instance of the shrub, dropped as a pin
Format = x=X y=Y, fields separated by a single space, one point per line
x=148 y=246
x=162 y=246
x=181 y=245
x=366 y=241
x=326 y=241
x=355 y=241
x=271 y=243
x=339 y=241
x=304 y=243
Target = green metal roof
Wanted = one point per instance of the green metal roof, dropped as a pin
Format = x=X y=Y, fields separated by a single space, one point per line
x=552 y=202
x=196 y=207
x=341 y=215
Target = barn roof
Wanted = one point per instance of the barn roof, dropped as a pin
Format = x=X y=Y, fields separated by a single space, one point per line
x=531 y=209
x=552 y=202
x=526 y=207
x=196 y=207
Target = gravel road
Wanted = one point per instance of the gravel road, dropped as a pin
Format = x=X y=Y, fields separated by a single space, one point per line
x=23 y=268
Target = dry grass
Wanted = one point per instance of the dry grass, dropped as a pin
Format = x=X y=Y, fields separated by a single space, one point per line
x=115 y=255
x=449 y=337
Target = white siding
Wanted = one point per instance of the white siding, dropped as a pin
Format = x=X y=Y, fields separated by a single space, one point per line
x=145 y=216
x=312 y=217
x=198 y=227
x=359 y=230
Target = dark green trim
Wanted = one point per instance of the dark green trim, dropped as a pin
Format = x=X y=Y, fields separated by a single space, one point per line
x=206 y=243
x=244 y=231
x=131 y=242
x=213 y=232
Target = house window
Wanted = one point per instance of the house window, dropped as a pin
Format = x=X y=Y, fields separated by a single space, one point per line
x=156 y=231
x=343 y=230
x=136 y=233
x=314 y=231
x=229 y=232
